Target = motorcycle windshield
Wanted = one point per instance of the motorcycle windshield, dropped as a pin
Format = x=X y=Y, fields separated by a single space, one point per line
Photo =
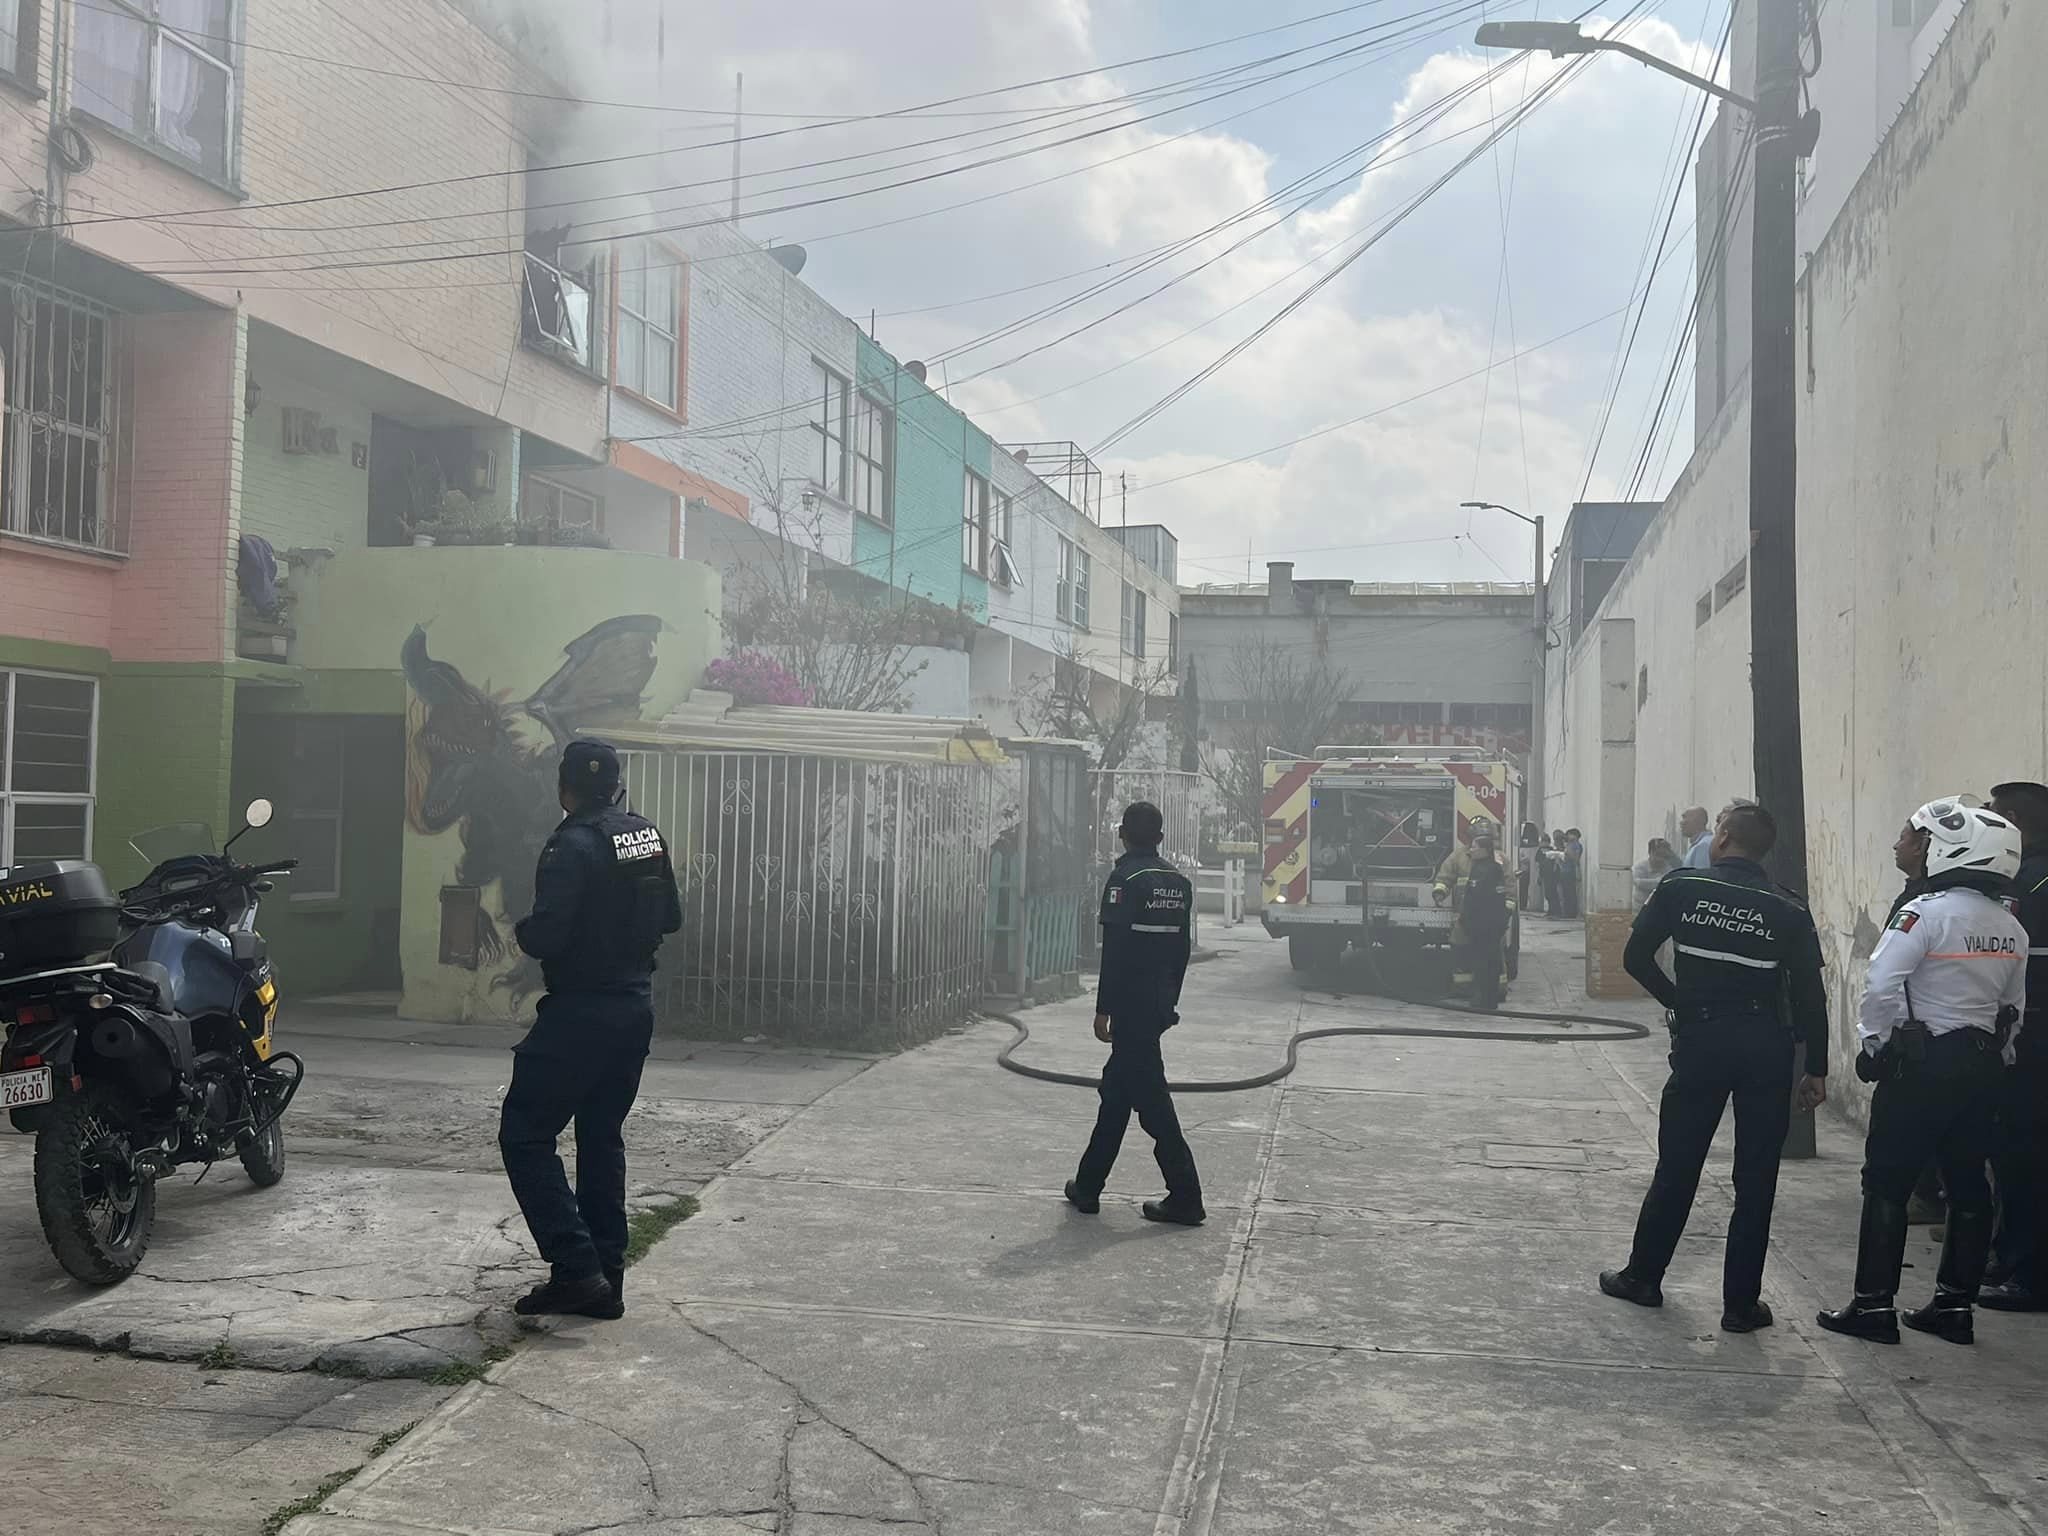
x=180 y=838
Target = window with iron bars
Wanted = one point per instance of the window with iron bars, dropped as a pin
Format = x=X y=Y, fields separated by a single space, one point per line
x=60 y=442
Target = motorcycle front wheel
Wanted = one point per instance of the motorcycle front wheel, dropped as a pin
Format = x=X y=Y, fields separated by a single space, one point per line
x=97 y=1209
x=263 y=1157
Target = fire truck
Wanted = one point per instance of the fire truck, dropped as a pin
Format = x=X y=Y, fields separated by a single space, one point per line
x=1354 y=837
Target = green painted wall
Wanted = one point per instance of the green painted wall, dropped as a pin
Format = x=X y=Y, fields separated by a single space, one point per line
x=303 y=500
x=163 y=756
x=502 y=618
x=935 y=446
x=349 y=943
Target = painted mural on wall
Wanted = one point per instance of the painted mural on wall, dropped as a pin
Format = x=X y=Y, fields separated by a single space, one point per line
x=480 y=765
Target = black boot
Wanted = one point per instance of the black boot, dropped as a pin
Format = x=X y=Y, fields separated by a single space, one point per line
x=1747 y=1318
x=1963 y=1254
x=1867 y=1317
x=1087 y=1205
x=1623 y=1286
x=1179 y=1212
x=616 y=1278
x=1880 y=1256
x=588 y=1296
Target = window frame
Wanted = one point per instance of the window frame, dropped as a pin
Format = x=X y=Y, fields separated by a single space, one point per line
x=1131 y=620
x=26 y=71
x=534 y=478
x=840 y=489
x=22 y=420
x=1084 y=576
x=974 y=522
x=873 y=417
x=679 y=264
x=10 y=798
x=297 y=815
x=221 y=53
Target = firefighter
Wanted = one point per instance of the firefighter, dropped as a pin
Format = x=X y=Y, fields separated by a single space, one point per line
x=1948 y=977
x=1474 y=883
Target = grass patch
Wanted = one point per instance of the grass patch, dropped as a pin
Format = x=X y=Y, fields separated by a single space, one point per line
x=650 y=1226
x=391 y=1437
x=285 y=1514
x=219 y=1358
x=460 y=1373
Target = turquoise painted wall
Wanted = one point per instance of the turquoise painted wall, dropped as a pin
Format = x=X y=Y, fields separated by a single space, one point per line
x=935 y=446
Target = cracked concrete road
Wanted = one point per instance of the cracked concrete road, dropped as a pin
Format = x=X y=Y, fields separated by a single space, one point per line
x=393 y=1246
x=884 y=1320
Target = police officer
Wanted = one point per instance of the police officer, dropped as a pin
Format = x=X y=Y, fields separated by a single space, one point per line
x=604 y=897
x=2020 y=1159
x=1743 y=948
x=1946 y=977
x=1474 y=883
x=1147 y=935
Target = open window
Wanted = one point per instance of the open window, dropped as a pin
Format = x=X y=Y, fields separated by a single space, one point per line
x=558 y=307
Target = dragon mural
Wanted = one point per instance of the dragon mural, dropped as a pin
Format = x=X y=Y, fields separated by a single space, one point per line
x=474 y=766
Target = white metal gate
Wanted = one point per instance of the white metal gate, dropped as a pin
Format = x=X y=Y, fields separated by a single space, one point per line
x=825 y=899
x=1175 y=793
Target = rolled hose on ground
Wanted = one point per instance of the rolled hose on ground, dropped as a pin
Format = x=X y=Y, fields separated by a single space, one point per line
x=1612 y=1029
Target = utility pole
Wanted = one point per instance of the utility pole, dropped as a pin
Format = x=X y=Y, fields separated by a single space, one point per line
x=739 y=85
x=1532 y=784
x=1774 y=463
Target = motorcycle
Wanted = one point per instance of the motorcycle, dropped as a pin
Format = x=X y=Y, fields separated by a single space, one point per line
x=156 y=1056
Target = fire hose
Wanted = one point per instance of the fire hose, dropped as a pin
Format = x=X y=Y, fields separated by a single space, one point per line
x=1609 y=1030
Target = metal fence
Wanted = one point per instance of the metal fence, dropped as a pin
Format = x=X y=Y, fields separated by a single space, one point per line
x=825 y=899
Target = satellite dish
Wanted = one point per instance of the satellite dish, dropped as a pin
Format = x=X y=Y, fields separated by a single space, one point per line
x=915 y=369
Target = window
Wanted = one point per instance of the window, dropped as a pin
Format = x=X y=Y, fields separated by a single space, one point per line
x=1642 y=686
x=830 y=395
x=18 y=19
x=1703 y=610
x=1000 y=523
x=874 y=458
x=1729 y=587
x=974 y=524
x=647 y=357
x=557 y=309
x=314 y=822
x=1132 y=627
x=61 y=411
x=51 y=727
x=1173 y=643
x=1083 y=570
x=544 y=504
x=160 y=70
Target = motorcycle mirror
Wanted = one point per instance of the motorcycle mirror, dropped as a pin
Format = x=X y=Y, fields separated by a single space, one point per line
x=259 y=813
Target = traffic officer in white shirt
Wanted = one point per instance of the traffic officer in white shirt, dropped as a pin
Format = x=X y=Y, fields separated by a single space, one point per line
x=1947 y=985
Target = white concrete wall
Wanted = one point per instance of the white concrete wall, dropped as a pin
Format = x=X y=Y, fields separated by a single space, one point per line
x=1923 y=444
x=752 y=333
x=1039 y=515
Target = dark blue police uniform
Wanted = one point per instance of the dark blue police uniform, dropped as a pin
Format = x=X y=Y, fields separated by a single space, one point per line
x=1147 y=918
x=1748 y=983
x=604 y=897
x=2019 y=1159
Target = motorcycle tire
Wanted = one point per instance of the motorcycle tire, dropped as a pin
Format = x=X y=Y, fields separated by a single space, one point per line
x=263 y=1158
x=98 y=1227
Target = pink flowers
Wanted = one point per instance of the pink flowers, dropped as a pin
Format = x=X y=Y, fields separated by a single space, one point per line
x=753 y=677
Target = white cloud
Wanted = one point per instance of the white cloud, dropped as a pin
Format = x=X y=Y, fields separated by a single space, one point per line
x=1417 y=311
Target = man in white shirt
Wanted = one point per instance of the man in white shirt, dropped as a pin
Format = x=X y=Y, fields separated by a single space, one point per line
x=1697 y=836
x=1947 y=985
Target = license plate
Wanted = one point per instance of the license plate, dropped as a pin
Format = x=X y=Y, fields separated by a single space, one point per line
x=18 y=1089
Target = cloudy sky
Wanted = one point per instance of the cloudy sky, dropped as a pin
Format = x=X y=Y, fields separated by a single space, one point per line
x=1341 y=117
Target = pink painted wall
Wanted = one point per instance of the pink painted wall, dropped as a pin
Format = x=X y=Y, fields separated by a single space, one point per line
x=45 y=595
x=170 y=598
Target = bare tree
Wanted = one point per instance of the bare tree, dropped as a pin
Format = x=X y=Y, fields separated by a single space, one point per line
x=1286 y=705
x=850 y=641
x=1078 y=703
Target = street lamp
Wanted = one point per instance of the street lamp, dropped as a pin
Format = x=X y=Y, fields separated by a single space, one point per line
x=1534 y=776
x=1783 y=137
x=1558 y=38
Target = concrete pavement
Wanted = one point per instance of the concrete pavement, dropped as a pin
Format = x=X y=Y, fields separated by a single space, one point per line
x=393 y=1246
x=885 y=1319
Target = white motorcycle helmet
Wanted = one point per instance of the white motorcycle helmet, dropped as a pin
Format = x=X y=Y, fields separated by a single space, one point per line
x=1965 y=839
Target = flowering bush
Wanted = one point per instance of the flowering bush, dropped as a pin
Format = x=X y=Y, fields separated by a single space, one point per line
x=752 y=677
